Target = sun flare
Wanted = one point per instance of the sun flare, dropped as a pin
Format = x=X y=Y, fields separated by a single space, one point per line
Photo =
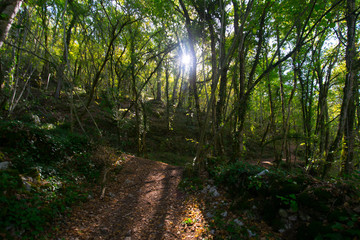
x=186 y=60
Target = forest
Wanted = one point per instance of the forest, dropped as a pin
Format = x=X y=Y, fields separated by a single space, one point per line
x=249 y=108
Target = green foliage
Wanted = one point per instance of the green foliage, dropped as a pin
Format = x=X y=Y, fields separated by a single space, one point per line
x=191 y=184
x=296 y=193
x=290 y=200
x=188 y=222
x=239 y=176
x=50 y=167
x=170 y=158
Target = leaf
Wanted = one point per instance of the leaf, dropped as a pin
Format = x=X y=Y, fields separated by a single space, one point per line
x=337 y=226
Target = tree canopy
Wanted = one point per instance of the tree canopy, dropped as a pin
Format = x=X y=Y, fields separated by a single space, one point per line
x=259 y=77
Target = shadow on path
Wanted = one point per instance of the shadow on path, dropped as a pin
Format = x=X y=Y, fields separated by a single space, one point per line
x=141 y=202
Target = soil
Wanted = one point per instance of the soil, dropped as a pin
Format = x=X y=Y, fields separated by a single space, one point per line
x=141 y=201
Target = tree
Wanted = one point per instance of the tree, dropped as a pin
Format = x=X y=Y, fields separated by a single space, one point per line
x=345 y=132
x=8 y=11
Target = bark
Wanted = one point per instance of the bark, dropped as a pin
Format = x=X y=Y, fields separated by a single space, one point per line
x=322 y=127
x=8 y=11
x=167 y=75
x=223 y=67
x=45 y=73
x=158 y=84
x=64 y=61
x=174 y=92
x=193 y=67
x=345 y=130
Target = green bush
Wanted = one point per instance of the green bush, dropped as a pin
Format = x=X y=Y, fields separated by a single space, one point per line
x=50 y=167
x=295 y=192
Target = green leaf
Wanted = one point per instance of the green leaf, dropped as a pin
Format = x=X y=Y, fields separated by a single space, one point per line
x=337 y=226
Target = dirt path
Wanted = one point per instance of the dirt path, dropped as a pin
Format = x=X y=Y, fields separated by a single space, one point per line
x=142 y=201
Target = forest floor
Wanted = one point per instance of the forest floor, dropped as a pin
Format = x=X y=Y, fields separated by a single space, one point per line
x=143 y=201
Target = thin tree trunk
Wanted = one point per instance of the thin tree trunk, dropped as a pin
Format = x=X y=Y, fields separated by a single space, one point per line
x=158 y=84
x=167 y=75
x=64 y=61
x=174 y=92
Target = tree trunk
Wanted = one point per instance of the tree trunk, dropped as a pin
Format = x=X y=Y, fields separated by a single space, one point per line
x=174 y=92
x=193 y=66
x=347 y=115
x=167 y=75
x=158 y=83
x=8 y=11
x=64 y=61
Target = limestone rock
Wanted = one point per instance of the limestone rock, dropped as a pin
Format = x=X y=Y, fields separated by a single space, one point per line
x=4 y=165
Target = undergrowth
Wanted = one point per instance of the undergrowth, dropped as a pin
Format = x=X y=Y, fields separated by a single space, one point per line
x=49 y=171
x=322 y=209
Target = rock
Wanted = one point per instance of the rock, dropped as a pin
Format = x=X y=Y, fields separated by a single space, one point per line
x=357 y=209
x=26 y=182
x=238 y=222
x=303 y=216
x=262 y=173
x=288 y=226
x=281 y=230
x=111 y=194
x=283 y=213
x=214 y=191
x=224 y=214
x=293 y=218
x=4 y=165
x=251 y=234
x=36 y=119
x=128 y=182
x=90 y=197
x=209 y=215
x=27 y=186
